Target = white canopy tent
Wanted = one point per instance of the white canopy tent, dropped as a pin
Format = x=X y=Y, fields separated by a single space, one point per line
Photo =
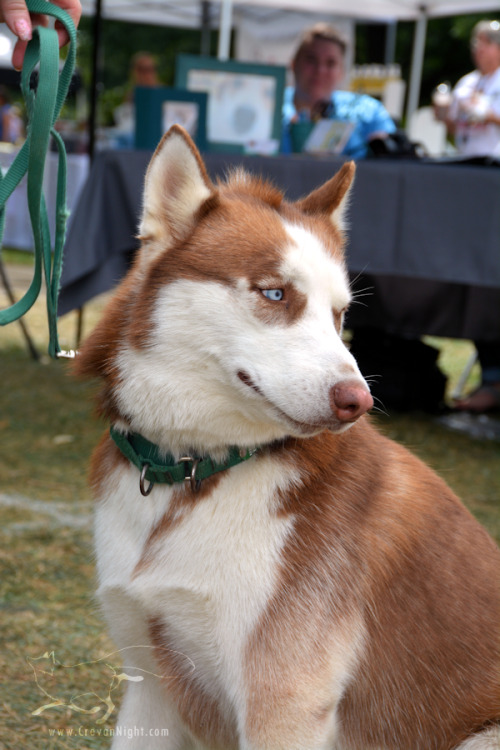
x=188 y=14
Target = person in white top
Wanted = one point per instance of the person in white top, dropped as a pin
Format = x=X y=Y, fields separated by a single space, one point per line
x=474 y=114
x=473 y=117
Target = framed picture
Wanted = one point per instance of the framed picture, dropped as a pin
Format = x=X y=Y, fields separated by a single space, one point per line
x=244 y=99
x=156 y=109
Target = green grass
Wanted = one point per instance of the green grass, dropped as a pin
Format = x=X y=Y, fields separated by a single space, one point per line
x=47 y=429
x=47 y=584
x=47 y=433
x=12 y=256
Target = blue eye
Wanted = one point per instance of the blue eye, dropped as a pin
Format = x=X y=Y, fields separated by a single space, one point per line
x=275 y=295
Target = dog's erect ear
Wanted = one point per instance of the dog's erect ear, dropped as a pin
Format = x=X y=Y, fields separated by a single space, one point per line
x=331 y=198
x=176 y=185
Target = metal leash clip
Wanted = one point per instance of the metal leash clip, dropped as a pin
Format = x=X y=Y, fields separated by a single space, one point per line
x=67 y=354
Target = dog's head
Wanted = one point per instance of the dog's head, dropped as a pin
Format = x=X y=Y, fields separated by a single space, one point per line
x=228 y=328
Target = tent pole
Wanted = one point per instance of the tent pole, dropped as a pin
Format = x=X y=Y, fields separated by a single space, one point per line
x=417 y=62
x=96 y=51
x=92 y=122
x=390 y=43
x=225 y=30
x=205 y=27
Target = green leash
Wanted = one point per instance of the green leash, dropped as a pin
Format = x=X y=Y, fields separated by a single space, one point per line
x=43 y=108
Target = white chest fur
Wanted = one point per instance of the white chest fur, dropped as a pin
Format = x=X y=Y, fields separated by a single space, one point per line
x=207 y=578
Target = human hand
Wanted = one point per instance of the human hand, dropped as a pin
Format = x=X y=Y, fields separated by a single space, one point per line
x=476 y=108
x=17 y=17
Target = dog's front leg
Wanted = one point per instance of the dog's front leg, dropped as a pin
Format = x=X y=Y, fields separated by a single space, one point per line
x=147 y=721
x=295 y=682
x=287 y=739
x=284 y=724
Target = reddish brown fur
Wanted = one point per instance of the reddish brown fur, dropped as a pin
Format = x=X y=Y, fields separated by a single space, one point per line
x=320 y=200
x=263 y=191
x=397 y=547
x=97 y=357
x=105 y=458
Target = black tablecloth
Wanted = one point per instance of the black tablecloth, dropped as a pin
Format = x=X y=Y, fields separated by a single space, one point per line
x=424 y=236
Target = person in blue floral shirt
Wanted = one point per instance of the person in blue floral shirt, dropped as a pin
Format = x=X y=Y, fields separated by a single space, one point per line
x=318 y=68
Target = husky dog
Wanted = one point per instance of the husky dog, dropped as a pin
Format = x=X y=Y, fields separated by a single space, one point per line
x=282 y=576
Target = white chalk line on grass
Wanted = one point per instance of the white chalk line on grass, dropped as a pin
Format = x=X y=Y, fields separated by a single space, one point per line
x=52 y=515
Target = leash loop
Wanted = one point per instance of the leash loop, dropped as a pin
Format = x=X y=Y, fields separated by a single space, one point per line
x=43 y=107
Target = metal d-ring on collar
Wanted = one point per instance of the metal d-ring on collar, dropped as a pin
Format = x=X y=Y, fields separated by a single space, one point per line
x=190 y=476
x=145 y=490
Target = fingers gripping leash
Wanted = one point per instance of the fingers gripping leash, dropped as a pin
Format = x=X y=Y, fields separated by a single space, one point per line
x=43 y=106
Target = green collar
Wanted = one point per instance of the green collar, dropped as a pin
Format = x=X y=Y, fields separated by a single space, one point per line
x=158 y=468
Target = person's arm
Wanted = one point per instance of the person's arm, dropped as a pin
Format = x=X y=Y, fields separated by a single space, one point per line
x=380 y=123
x=17 y=17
